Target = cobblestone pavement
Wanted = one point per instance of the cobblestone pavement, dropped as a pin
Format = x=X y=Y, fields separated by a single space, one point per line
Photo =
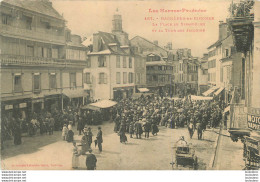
x=50 y=152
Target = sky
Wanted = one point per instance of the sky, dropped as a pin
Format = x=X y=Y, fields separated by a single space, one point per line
x=87 y=17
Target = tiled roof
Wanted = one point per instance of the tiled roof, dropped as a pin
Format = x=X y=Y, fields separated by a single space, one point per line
x=43 y=7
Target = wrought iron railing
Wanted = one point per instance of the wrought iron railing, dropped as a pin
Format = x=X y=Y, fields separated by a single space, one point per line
x=49 y=36
x=7 y=59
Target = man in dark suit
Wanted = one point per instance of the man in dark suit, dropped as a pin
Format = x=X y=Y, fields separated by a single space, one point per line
x=99 y=139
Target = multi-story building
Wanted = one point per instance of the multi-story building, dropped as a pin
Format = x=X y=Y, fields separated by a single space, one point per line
x=223 y=74
x=111 y=64
x=203 y=75
x=185 y=70
x=158 y=65
x=34 y=70
x=245 y=103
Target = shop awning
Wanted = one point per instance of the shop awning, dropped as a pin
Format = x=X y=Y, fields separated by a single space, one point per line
x=16 y=97
x=75 y=93
x=219 y=91
x=90 y=107
x=104 y=104
x=195 y=97
x=143 y=89
x=209 y=91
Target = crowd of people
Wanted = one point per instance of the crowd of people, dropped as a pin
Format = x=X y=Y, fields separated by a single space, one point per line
x=45 y=122
x=144 y=114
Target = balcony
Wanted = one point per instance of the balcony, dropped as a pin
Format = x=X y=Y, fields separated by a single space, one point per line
x=42 y=36
x=240 y=23
x=17 y=60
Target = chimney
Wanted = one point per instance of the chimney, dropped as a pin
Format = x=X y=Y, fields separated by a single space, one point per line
x=96 y=42
x=222 y=30
x=169 y=45
x=155 y=42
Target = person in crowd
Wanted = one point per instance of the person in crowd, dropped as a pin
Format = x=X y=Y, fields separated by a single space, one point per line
x=99 y=139
x=17 y=133
x=138 y=129
x=84 y=143
x=131 y=129
x=80 y=126
x=70 y=135
x=121 y=132
x=64 y=132
x=91 y=161
x=75 y=156
x=51 y=125
x=147 y=128
x=199 y=130
x=89 y=137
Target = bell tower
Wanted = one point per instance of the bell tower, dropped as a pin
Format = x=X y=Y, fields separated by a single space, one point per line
x=117 y=22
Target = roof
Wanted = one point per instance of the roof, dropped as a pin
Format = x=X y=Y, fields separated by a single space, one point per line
x=218 y=42
x=110 y=39
x=149 y=42
x=43 y=7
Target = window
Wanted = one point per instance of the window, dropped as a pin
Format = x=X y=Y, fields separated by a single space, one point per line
x=131 y=78
x=102 y=78
x=124 y=77
x=102 y=61
x=130 y=63
x=138 y=77
x=87 y=78
x=118 y=78
x=181 y=67
x=124 y=62
x=55 y=53
x=18 y=83
x=88 y=65
x=28 y=22
x=221 y=74
x=118 y=61
x=52 y=79
x=36 y=82
x=30 y=50
x=226 y=53
x=73 y=80
x=6 y=19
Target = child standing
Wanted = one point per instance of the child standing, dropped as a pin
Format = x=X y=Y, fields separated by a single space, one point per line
x=64 y=132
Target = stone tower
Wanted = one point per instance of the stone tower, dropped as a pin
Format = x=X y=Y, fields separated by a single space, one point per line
x=117 y=22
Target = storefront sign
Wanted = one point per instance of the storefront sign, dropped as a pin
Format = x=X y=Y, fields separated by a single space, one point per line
x=253 y=122
x=22 y=105
x=8 y=107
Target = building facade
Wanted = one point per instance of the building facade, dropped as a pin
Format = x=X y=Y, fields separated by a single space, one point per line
x=111 y=65
x=245 y=105
x=159 y=67
x=34 y=69
x=203 y=75
x=223 y=74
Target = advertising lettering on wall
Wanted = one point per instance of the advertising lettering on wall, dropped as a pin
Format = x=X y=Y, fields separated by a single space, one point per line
x=253 y=122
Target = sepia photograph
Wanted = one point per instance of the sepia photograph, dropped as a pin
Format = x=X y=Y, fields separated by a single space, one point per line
x=130 y=85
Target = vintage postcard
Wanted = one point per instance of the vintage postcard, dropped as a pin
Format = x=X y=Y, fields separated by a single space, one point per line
x=130 y=85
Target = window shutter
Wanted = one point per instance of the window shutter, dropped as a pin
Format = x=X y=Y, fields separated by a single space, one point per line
x=105 y=78
x=105 y=61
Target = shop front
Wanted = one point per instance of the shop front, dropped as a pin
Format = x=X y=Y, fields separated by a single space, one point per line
x=122 y=92
x=16 y=106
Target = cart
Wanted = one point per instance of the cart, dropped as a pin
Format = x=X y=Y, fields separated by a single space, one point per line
x=185 y=157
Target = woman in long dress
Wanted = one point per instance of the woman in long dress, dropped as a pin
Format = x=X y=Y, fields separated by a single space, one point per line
x=75 y=156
